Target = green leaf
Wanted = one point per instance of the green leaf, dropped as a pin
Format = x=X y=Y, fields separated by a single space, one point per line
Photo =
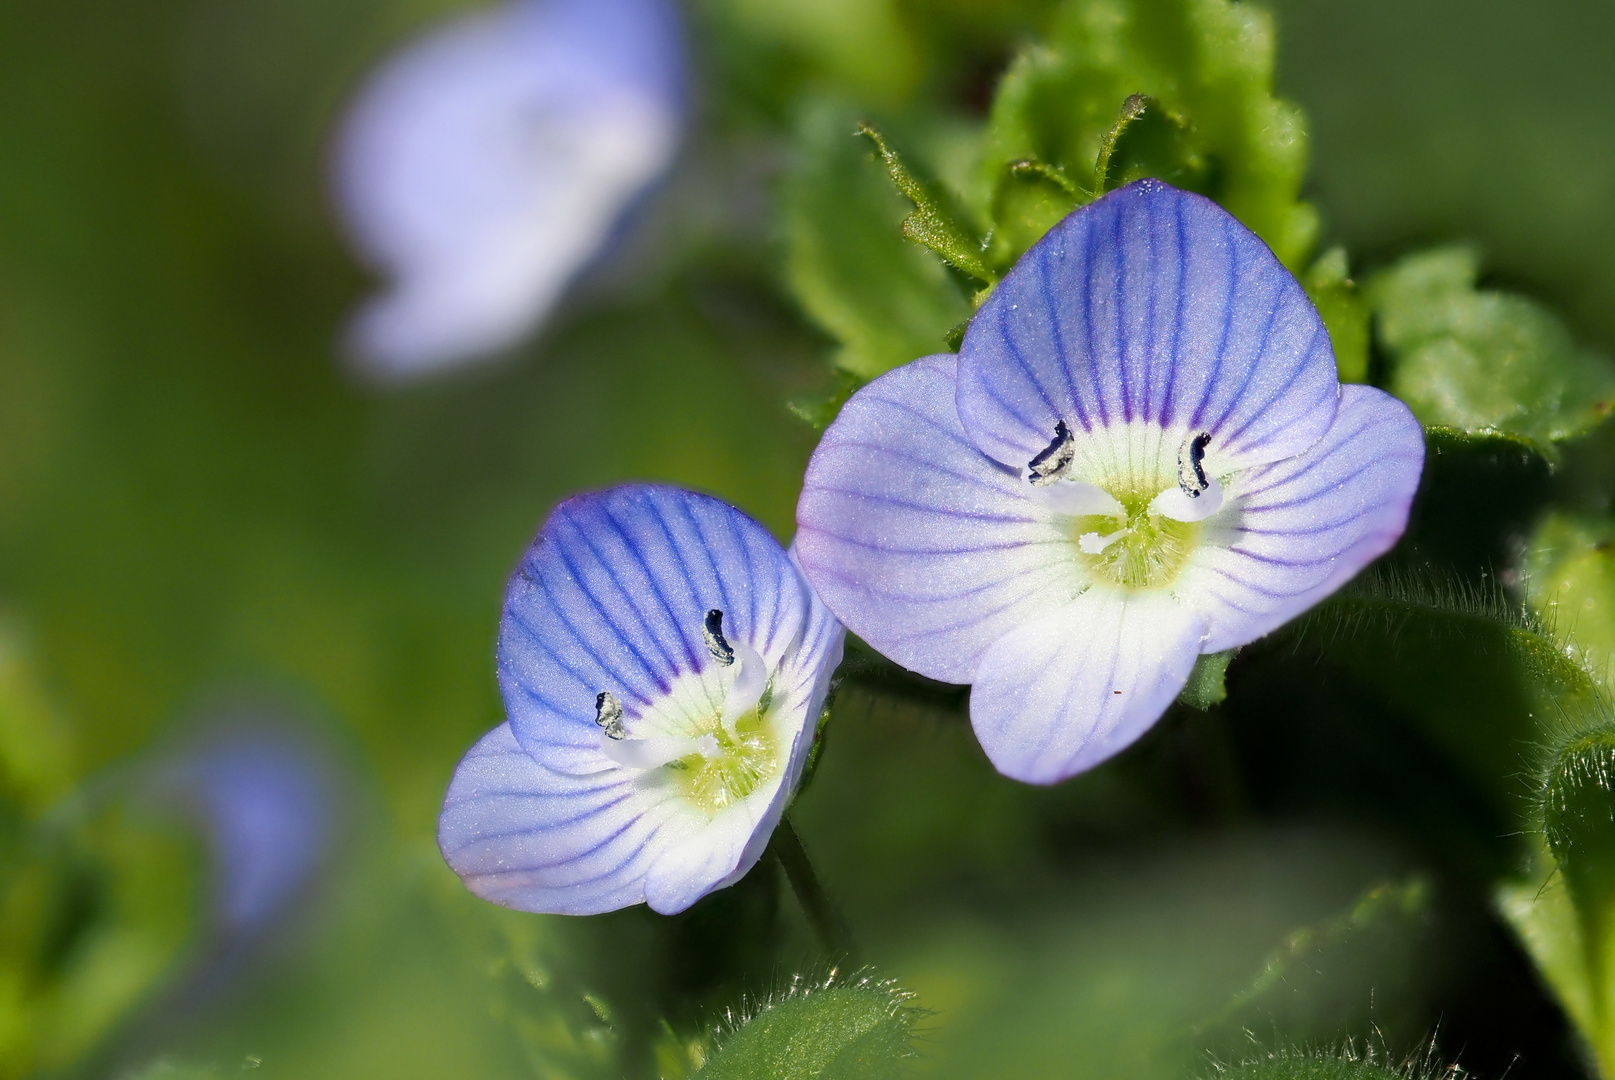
x=1194 y=82
x=882 y=298
x=818 y=412
x=1480 y=674
x=1378 y=904
x=1344 y=311
x=1570 y=582
x=930 y=224
x=861 y=1030
x=1348 y=1065
x=1205 y=686
x=1481 y=360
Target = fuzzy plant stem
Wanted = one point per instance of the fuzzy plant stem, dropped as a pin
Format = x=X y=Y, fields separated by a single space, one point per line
x=816 y=903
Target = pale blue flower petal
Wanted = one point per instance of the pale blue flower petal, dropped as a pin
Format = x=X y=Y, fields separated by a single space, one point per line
x=1301 y=528
x=482 y=167
x=530 y=838
x=922 y=545
x=1151 y=305
x=612 y=597
x=1062 y=693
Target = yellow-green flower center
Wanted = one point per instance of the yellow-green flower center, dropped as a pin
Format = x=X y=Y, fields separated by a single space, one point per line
x=1142 y=550
x=744 y=761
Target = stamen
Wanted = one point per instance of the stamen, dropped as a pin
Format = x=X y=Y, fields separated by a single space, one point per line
x=717 y=645
x=1191 y=474
x=653 y=753
x=1093 y=544
x=1049 y=465
x=608 y=714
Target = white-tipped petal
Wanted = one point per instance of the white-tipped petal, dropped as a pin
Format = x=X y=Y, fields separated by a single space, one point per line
x=1062 y=693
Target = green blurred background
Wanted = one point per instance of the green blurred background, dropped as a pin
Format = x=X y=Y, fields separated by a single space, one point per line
x=196 y=506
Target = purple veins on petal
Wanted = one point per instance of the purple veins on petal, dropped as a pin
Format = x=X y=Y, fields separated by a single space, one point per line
x=1301 y=528
x=486 y=164
x=1148 y=264
x=662 y=662
x=919 y=543
x=1140 y=454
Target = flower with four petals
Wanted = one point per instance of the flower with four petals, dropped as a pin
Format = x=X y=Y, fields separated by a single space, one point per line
x=663 y=664
x=1141 y=454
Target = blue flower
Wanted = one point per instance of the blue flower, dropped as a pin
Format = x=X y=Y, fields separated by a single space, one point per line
x=663 y=663
x=482 y=167
x=1141 y=454
x=265 y=795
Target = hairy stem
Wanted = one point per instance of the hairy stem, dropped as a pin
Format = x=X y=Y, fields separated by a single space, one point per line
x=816 y=903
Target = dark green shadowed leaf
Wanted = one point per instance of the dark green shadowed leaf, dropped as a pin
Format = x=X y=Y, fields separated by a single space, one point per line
x=1480 y=360
x=1481 y=676
x=930 y=225
x=1379 y=907
x=1344 y=311
x=861 y=1030
x=1193 y=81
x=882 y=298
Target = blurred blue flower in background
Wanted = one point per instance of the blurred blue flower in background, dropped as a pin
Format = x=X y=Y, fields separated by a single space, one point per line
x=485 y=165
x=265 y=797
x=663 y=664
x=1141 y=453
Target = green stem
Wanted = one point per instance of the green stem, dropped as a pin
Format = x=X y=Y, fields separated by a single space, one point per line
x=816 y=903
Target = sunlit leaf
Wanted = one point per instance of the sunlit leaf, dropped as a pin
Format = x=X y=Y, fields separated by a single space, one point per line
x=859 y=1030
x=931 y=224
x=1570 y=581
x=1482 y=360
x=1210 y=124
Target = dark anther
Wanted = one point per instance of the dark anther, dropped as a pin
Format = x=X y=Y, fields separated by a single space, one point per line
x=1048 y=466
x=1191 y=475
x=608 y=714
x=720 y=648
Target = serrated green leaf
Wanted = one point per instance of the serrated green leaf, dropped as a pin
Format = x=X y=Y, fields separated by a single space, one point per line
x=931 y=224
x=1481 y=360
x=1570 y=581
x=1345 y=313
x=1205 y=687
x=881 y=297
x=855 y=1031
x=1211 y=123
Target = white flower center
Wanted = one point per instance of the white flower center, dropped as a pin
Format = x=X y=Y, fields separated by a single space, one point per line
x=716 y=756
x=1135 y=505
